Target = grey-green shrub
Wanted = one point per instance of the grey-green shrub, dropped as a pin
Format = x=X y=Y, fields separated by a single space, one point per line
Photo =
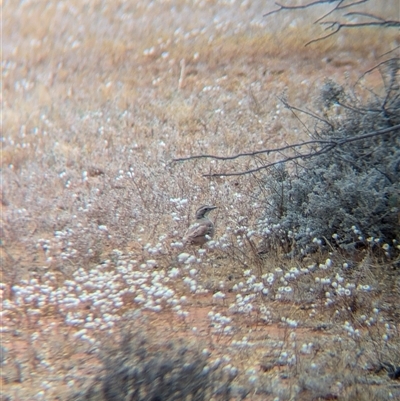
x=350 y=195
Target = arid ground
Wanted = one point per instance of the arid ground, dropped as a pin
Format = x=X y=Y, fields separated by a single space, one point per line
x=98 y=97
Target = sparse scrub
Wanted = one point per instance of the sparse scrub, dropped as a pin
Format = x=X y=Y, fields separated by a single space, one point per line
x=96 y=104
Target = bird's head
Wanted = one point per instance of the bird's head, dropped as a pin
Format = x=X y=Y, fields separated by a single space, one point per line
x=203 y=211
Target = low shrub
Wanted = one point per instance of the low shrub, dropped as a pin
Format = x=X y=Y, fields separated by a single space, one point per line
x=349 y=196
x=142 y=369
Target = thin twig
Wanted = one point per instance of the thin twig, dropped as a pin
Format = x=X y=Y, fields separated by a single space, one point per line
x=338 y=26
x=361 y=14
x=375 y=67
x=323 y=150
x=338 y=6
x=251 y=154
x=309 y=113
x=283 y=7
x=388 y=52
x=327 y=147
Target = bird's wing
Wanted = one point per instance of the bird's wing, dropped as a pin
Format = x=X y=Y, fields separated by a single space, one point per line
x=197 y=230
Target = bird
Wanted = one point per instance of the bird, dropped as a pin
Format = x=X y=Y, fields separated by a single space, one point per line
x=202 y=230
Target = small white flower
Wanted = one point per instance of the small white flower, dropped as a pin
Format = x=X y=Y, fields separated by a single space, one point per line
x=219 y=295
x=183 y=257
x=191 y=259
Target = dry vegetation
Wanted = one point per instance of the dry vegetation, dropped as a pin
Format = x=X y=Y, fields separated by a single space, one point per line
x=98 y=97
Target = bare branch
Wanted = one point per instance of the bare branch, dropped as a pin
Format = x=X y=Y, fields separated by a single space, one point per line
x=337 y=25
x=386 y=24
x=338 y=6
x=356 y=14
x=369 y=134
x=283 y=7
x=375 y=67
x=309 y=113
x=324 y=37
x=251 y=154
x=355 y=3
x=327 y=147
x=297 y=117
x=388 y=52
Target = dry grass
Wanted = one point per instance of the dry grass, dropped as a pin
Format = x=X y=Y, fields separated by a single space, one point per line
x=93 y=113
